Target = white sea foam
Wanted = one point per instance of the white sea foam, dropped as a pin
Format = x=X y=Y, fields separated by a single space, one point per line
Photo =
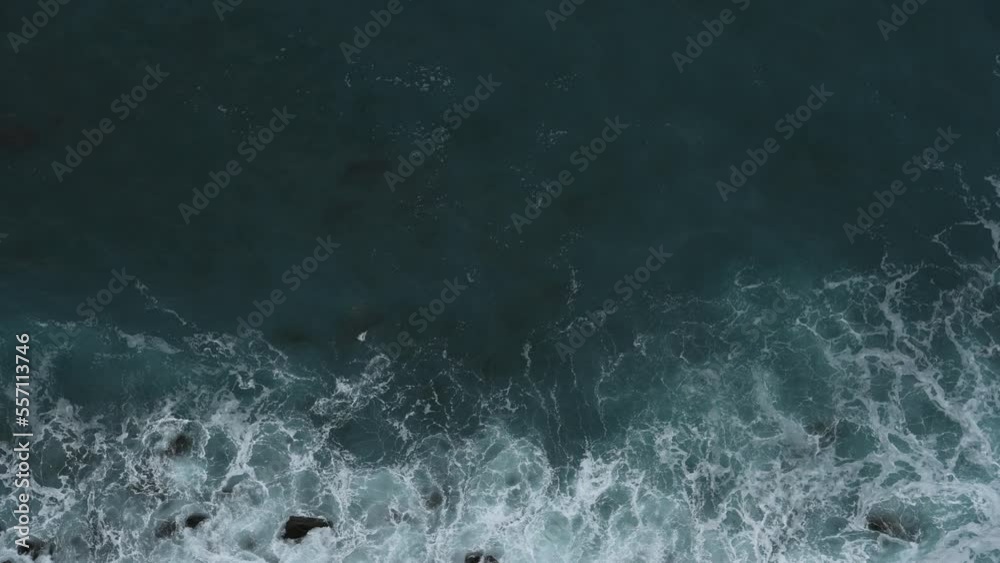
x=869 y=395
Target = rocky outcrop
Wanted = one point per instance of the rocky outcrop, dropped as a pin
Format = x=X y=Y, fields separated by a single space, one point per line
x=297 y=527
x=167 y=528
x=479 y=557
x=194 y=520
x=180 y=445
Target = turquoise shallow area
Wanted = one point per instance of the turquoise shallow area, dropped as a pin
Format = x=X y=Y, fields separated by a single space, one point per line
x=775 y=391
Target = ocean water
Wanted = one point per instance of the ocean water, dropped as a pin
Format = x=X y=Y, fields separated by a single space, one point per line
x=779 y=379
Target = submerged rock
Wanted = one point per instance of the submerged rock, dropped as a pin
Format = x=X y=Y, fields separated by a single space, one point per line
x=891 y=525
x=247 y=543
x=297 y=527
x=165 y=529
x=194 y=520
x=478 y=557
x=434 y=499
x=180 y=445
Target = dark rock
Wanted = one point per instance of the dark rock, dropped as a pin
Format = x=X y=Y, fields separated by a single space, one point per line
x=194 y=520
x=890 y=525
x=180 y=445
x=297 y=527
x=36 y=548
x=165 y=529
x=478 y=557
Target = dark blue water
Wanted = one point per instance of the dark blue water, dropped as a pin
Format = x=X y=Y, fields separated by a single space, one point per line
x=670 y=361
